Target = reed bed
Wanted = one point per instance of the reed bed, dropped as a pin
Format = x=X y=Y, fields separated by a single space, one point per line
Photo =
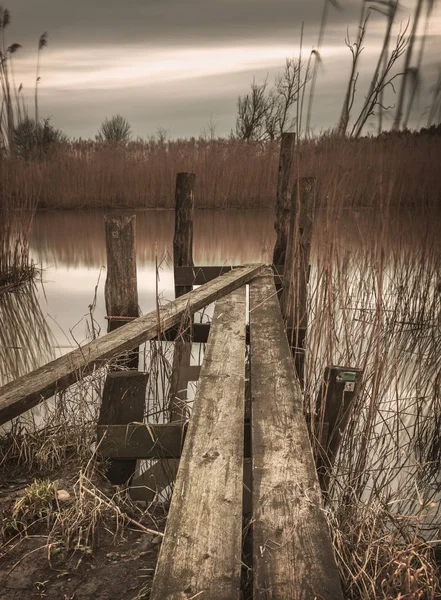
x=230 y=173
x=375 y=303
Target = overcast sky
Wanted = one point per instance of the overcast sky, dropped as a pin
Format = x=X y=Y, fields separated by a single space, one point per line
x=181 y=64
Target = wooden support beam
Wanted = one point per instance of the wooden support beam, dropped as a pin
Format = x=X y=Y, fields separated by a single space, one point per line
x=25 y=392
x=292 y=552
x=283 y=197
x=123 y=401
x=338 y=392
x=197 y=332
x=184 y=208
x=149 y=440
x=197 y=275
x=200 y=554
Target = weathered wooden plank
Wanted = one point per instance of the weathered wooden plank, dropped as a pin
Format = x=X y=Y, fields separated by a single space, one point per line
x=27 y=391
x=292 y=553
x=149 y=440
x=197 y=275
x=201 y=552
x=142 y=440
x=123 y=401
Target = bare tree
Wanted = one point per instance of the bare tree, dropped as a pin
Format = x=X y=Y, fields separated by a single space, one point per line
x=265 y=113
x=389 y=9
x=253 y=113
x=379 y=84
x=115 y=129
x=356 y=49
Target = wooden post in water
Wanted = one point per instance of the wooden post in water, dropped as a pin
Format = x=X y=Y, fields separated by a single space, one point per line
x=124 y=391
x=283 y=197
x=296 y=275
x=182 y=257
x=121 y=291
x=162 y=473
x=338 y=392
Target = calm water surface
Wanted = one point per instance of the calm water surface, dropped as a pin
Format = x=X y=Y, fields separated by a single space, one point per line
x=70 y=246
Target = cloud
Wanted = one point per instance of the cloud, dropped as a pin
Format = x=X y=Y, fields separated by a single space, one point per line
x=143 y=57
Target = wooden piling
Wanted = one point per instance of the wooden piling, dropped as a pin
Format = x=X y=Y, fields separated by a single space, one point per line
x=183 y=236
x=182 y=257
x=121 y=291
x=283 y=197
x=162 y=473
x=297 y=267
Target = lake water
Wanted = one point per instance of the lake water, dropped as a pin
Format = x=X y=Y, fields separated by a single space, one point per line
x=374 y=303
x=70 y=246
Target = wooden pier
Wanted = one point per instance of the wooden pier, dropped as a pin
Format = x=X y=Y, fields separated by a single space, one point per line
x=244 y=456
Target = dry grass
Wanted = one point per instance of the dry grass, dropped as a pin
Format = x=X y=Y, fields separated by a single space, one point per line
x=375 y=303
x=229 y=173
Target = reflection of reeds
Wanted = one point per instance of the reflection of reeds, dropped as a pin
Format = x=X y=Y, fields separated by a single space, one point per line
x=67 y=238
x=25 y=339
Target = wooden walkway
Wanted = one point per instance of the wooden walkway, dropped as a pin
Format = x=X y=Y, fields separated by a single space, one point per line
x=201 y=552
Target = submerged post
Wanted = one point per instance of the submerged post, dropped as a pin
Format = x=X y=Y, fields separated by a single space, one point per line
x=283 y=197
x=296 y=275
x=121 y=291
x=335 y=401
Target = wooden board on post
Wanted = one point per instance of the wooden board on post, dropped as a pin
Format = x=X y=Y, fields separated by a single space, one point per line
x=121 y=292
x=200 y=554
x=292 y=551
x=123 y=402
x=338 y=392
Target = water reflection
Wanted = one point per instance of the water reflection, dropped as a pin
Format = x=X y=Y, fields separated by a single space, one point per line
x=76 y=239
x=25 y=338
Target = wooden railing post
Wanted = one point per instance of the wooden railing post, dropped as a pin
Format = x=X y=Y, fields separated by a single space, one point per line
x=335 y=401
x=283 y=197
x=121 y=291
x=297 y=267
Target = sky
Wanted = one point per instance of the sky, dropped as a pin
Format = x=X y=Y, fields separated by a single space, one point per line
x=180 y=66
